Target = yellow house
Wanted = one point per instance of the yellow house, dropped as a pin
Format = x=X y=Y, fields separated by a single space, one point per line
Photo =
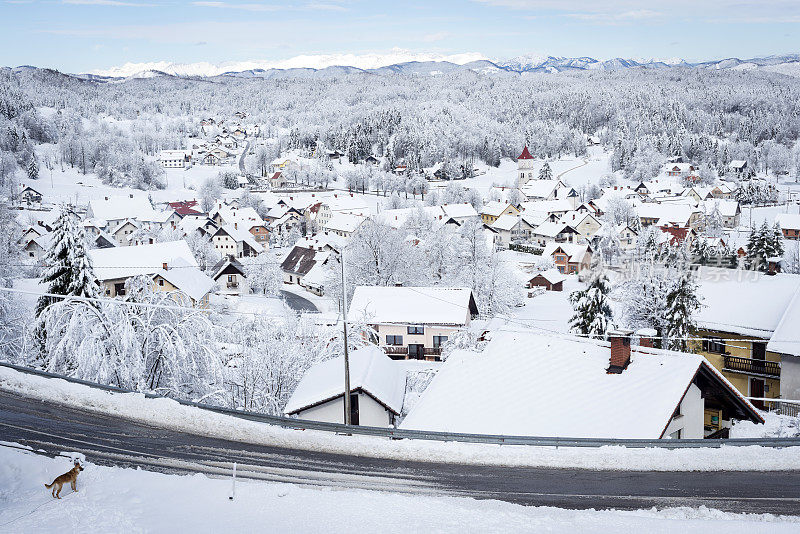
x=493 y=210
x=747 y=331
x=184 y=280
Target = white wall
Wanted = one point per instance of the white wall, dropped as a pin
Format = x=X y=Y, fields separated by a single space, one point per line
x=691 y=420
x=790 y=377
x=370 y=413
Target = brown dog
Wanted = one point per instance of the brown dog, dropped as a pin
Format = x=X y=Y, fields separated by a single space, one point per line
x=70 y=476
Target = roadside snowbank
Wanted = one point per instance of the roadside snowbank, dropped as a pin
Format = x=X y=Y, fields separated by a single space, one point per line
x=170 y=414
x=126 y=500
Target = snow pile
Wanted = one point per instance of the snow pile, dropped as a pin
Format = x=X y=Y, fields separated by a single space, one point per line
x=775 y=426
x=169 y=414
x=127 y=500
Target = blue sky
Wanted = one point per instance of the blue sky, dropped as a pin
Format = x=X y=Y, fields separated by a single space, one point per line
x=92 y=35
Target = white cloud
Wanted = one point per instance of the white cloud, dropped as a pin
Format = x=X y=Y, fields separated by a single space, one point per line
x=251 y=6
x=316 y=61
x=617 y=18
x=433 y=37
x=244 y=7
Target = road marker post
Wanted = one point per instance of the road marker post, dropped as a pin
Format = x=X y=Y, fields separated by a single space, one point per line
x=233 y=486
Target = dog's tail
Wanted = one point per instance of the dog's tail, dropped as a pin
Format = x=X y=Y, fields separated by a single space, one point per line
x=48 y=486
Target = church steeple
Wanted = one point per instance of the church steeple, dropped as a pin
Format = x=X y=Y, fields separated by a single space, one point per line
x=524 y=167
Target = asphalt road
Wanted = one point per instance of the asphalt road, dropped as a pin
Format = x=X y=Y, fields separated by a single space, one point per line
x=244 y=154
x=109 y=440
x=298 y=303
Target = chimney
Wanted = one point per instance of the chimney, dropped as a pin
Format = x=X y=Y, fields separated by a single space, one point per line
x=620 y=350
x=106 y=198
x=646 y=336
x=236 y=226
x=131 y=195
x=165 y=266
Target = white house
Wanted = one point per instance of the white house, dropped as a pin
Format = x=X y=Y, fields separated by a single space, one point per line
x=377 y=388
x=114 y=265
x=344 y=224
x=173 y=159
x=232 y=239
x=413 y=322
x=230 y=276
x=526 y=383
x=114 y=210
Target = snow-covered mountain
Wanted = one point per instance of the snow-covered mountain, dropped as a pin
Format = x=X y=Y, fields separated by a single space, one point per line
x=428 y=65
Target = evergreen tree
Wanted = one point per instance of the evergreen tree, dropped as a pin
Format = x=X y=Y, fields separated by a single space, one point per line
x=546 y=173
x=682 y=303
x=757 y=246
x=33 y=168
x=70 y=269
x=592 y=310
x=776 y=248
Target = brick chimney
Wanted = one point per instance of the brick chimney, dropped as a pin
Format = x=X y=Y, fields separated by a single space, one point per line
x=165 y=266
x=646 y=336
x=620 y=350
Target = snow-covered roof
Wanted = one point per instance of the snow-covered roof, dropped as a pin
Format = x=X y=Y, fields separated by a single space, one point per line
x=188 y=278
x=506 y=222
x=540 y=188
x=344 y=222
x=116 y=208
x=525 y=383
x=494 y=208
x=786 y=337
x=726 y=207
x=667 y=212
x=370 y=370
x=738 y=163
x=547 y=207
x=459 y=211
x=576 y=252
x=550 y=229
x=159 y=217
x=553 y=276
x=743 y=302
x=240 y=234
x=398 y=217
x=124 y=262
x=788 y=221
x=412 y=305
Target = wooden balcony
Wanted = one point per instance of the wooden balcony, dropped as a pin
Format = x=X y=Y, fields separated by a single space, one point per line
x=752 y=366
x=395 y=349
x=232 y=285
x=401 y=350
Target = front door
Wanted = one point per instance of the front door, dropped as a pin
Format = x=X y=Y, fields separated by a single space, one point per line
x=757 y=391
x=416 y=352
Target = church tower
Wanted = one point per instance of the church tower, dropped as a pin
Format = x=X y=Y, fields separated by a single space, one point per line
x=524 y=168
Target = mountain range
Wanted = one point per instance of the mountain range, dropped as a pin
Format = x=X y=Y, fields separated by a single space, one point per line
x=785 y=64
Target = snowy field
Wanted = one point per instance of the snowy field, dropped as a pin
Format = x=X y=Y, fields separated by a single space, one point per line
x=128 y=500
x=167 y=413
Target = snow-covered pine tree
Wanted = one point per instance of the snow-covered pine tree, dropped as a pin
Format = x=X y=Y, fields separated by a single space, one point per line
x=70 y=269
x=776 y=248
x=33 y=168
x=682 y=303
x=592 y=311
x=756 y=247
x=546 y=173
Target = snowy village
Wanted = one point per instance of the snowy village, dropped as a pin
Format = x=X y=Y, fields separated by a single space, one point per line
x=466 y=295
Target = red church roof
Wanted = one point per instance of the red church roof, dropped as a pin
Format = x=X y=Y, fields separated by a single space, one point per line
x=525 y=154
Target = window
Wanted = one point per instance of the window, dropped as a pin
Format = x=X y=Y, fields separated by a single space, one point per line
x=438 y=341
x=416 y=330
x=716 y=346
x=394 y=340
x=230 y=278
x=161 y=282
x=759 y=351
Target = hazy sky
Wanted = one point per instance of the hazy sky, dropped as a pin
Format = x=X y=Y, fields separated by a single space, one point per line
x=89 y=35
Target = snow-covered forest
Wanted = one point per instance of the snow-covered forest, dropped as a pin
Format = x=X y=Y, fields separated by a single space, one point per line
x=114 y=129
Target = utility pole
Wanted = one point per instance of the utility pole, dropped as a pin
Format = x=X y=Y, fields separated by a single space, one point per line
x=347 y=414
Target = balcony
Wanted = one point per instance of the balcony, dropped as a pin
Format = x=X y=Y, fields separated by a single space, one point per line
x=400 y=350
x=232 y=285
x=751 y=366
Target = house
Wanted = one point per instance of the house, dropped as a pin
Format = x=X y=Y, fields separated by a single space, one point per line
x=526 y=383
x=124 y=230
x=277 y=180
x=185 y=279
x=36 y=248
x=104 y=240
x=300 y=261
x=513 y=229
x=377 y=389
x=114 y=266
x=569 y=258
x=554 y=232
x=30 y=195
x=460 y=212
x=115 y=210
x=551 y=280
x=493 y=210
x=679 y=169
x=344 y=224
x=173 y=159
x=235 y=240
x=550 y=190
x=230 y=276
x=739 y=325
x=738 y=167
x=586 y=224
x=413 y=322
x=729 y=211
x=789 y=224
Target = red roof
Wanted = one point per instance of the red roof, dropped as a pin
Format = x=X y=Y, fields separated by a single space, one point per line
x=525 y=154
x=677 y=233
x=185 y=207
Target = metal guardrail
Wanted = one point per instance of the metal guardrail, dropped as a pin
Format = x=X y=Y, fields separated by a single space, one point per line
x=396 y=433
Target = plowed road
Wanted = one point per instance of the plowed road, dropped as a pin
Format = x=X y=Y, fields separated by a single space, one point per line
x=109 y=440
